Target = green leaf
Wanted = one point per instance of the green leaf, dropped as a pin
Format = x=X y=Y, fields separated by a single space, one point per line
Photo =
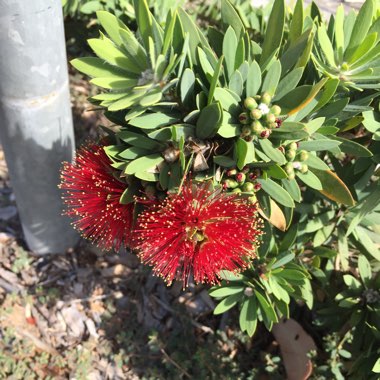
x=210 y=119
x=229 y=50
x=106 y=50
x=310 y=179
x=351 y=282
x=248 y=316
x=153 y=120
x=96 y=67
x=227 y=303
x=89 y=7
x=273 y=153
x=205 y=64
x=138 y=140
x=230 y=276
x=296 y=25
x=278 y=290
x=115 y=83
x=266 y=307
x=111 y=25
x=253 y=79
x=196 y=36
x=124 y=102
x=288 y=83
x=224 y=291
x=291 y=186
x=274 y=32
x=351 y=147
x=318 y=145
x=313 y=125
x=364 y=269
x=187 y=84
x=224 y=161
x=362 y=24
x=333 y=187
x=133 y=152
x=144 y=164
x=215 y=80
x=272 y=78
x=245 y=153
x=231 y=18
x=376 y=367
x=326 y=45
x=276 y=192
x=339 y=32
x=236 y=83
x=363 y=48
x=144 y=20
x=228 y=130
x=316 y=163
x=228 y=101
x=133 y=48
x=289 y=256
x=151 y=98
x=367 y=205
x=277 y=172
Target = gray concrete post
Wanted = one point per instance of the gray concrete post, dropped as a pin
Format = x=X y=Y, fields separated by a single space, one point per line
x=36 y=129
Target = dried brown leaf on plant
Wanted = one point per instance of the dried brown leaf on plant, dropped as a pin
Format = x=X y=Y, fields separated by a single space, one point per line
x=295 y=344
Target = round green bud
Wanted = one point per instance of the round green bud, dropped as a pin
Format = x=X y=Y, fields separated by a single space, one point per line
x=236 y=190
x=289 y=168
x=270 y=118
x=304 y=168
x=250 y=104
x=248 y=187
x=266 y=98
x=265 y=133
x=290 y=155
x=272 y=125
x=345 y=66
x=292 y=146
x=244 y=118
x=257 y=97
x=246 y=131
x=291 y=175
x=276 y=110
x=231 y=172
x=256 y=127
x=252 y=199
x=256 y=114
x=303 y=155
x=240 y=178
x=230 y=183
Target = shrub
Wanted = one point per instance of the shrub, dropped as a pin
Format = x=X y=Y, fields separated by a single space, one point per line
x=280 y=114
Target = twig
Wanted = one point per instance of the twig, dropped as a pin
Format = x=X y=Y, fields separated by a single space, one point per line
x=168 y=358
x=9 y=288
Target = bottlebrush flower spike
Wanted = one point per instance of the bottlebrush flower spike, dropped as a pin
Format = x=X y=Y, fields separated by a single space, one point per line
x=92 y=198
x=197 y=232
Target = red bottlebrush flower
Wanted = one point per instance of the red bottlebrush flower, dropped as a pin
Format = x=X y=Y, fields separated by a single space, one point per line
x=197 y=232
x=92 y=195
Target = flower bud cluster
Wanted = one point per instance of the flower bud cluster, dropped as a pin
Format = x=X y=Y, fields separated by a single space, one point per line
x=244 y=181
x=259 y=117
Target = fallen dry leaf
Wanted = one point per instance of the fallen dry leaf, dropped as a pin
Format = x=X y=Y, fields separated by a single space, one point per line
x=295 y=344
x=277 y=217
